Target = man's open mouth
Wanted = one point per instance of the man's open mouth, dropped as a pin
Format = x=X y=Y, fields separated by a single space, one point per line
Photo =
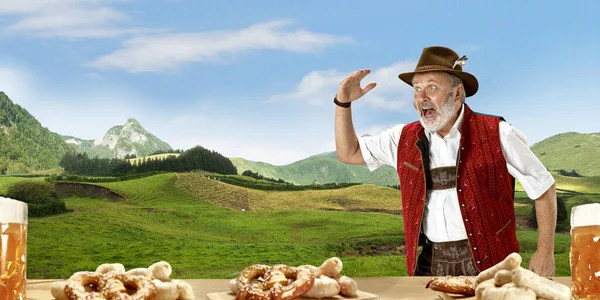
x=428 y=112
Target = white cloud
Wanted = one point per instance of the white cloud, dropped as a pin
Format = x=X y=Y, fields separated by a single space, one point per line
x=318 y=88
x=66 y=18
x=154 y=53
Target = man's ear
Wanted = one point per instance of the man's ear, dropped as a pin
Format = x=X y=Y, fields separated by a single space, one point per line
x=458 y=93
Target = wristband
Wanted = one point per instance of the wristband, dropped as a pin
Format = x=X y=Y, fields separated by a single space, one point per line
x=341 y=104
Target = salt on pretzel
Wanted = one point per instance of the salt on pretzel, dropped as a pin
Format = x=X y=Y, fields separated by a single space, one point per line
x=462 y=285
x=274 y=284
x=84 y=285
x=118 y=286
x=249 y=274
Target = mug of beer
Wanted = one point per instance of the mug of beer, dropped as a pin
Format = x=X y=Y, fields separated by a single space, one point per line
x=585 y=251
x=13 y=249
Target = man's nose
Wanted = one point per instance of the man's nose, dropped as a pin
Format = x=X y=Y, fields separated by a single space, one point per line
x=422 y=96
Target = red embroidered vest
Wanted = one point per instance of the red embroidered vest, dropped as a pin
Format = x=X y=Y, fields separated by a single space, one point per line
x=485 y=189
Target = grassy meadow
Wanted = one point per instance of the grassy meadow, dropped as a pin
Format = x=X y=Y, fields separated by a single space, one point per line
x=209 y=229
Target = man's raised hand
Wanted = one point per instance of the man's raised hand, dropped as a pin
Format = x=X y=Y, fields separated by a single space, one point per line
x=350 y=88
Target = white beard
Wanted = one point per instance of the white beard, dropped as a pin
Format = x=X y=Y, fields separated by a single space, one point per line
x=443 y=114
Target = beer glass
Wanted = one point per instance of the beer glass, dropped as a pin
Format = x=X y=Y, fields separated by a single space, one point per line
x=13 y=249
x=585 y=251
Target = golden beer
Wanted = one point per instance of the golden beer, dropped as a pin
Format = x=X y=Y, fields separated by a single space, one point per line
x=585 y=251
x=13 y=249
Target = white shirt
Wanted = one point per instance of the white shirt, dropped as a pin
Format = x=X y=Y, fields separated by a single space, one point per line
x=442 y=217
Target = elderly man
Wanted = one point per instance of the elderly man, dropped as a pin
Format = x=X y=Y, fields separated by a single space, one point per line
x=457 y=171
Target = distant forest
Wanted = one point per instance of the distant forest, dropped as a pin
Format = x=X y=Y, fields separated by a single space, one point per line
x=192 y=159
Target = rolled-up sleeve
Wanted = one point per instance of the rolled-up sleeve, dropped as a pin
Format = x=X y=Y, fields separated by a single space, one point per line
x=522 y=162
x=381 y=149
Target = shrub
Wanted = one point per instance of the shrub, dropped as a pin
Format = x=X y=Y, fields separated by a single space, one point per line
x=40 y=197
x=31 y=191
x=47 y=208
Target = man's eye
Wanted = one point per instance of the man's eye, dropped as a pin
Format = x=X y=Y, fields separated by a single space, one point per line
x=433 y=87
x=417 y=89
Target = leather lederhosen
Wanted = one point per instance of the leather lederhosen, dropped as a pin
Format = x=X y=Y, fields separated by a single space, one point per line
x=447 y=258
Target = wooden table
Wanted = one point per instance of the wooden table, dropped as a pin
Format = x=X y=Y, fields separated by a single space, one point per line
x=397 y=288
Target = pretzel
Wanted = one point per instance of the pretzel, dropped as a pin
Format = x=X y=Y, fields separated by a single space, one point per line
x=84 y=285
x=274 y=284
x=463 y=285
x=118 y=286
x=249 y=274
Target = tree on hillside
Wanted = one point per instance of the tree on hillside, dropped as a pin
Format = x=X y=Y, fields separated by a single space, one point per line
x=572 y=173
x=193 y=159
x=255 y=175
x=25 y=145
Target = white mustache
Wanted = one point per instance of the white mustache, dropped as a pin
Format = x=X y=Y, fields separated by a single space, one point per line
x=427 y=106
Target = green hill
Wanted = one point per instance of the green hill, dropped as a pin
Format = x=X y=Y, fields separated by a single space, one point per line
x=26 y=146
x=321 y=168
x=567 y=151
x=571 y=151
x=173 y=217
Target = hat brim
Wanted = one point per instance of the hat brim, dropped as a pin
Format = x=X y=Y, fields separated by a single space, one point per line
x=469 y=81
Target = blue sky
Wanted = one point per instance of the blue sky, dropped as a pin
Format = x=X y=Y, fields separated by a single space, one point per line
x=256 y=79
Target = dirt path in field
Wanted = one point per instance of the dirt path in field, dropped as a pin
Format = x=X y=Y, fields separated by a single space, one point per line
x=379 y=210
x=83 y=190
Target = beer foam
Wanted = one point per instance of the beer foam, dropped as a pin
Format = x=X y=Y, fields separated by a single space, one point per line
x=12 y=211
x=585 y=215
